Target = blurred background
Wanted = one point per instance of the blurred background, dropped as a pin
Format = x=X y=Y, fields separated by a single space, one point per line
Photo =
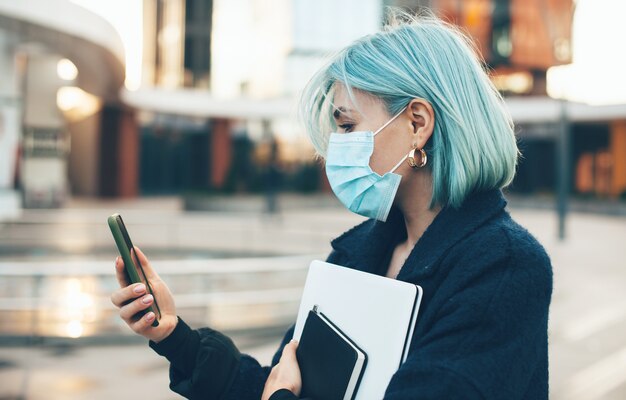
x=180 y=115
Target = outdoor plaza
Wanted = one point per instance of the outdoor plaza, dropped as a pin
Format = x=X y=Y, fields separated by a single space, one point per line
x=242 y=271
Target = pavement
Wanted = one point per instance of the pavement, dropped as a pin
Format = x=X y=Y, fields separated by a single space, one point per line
x=587 y=328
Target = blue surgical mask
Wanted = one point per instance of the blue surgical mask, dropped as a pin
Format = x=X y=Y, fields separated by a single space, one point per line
x=353 y=181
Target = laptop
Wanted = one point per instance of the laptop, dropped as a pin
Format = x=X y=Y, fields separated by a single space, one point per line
x=377 y=312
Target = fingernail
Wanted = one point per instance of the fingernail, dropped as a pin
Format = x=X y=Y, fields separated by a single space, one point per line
x=149 y=316
x=139 y=288
x=147 y=299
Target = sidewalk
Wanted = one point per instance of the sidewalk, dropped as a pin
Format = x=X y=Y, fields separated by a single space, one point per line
x=587 y=321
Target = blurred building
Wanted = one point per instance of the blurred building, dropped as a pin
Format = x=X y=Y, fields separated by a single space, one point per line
x=122 y=98
x=43 y=93
x=519 y=41
x=240 y=52
x=219 y=87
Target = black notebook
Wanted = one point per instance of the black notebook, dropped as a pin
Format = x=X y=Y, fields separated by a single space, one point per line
x=331 y=365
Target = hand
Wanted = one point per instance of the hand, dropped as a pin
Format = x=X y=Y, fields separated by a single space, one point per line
x=285 y=374
x=131 y=299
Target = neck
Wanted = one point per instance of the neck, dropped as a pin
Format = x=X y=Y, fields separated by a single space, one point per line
x=414 y=203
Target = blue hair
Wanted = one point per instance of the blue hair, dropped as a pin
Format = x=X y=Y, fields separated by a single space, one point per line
x=473 y=145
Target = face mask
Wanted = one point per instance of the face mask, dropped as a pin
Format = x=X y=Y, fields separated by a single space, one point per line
x=353 y=181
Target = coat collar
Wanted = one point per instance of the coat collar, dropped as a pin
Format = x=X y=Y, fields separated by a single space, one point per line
x=365 y=246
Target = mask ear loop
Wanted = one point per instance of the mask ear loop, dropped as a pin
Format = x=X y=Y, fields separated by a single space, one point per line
x=384 y=126
x=399 y=163
x=390 y=121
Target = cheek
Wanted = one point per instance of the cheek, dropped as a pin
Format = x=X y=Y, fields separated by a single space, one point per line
x=388 y=151
x=378 y=161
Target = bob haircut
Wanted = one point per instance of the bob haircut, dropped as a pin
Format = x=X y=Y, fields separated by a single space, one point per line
x=473 y=146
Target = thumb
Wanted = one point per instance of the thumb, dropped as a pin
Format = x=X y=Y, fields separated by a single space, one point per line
x=289 y=351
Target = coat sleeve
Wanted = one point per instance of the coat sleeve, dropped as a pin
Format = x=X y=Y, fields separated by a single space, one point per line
x=250 y=379
x=283 y=394
x=487 y=340
x=206 y=364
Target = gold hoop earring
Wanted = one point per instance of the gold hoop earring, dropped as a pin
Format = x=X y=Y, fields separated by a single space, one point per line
x=422 y=162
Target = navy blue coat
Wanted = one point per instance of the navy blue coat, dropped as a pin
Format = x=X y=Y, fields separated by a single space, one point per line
x=482 y=330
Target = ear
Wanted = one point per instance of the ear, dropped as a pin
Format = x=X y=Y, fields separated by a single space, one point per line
x=420 y=113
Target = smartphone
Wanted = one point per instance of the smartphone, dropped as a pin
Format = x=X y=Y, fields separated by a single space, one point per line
x=134 y=270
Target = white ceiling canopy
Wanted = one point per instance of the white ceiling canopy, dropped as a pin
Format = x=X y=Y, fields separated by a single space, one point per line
x=71 y=31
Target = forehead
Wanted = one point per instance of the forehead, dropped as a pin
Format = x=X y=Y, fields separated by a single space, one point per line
x=362 y=102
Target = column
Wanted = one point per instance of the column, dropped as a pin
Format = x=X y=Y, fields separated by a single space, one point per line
x=618 y=157
x=119 y=152
x=10 y=127
x=220 y=152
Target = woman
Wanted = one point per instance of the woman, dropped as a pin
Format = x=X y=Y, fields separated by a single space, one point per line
x=422 y=145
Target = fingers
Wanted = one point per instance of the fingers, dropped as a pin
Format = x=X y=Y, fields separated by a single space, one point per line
x=128 y=311
x=142 y=324
x=286 y=374
x=120 y=272
x=122 y=296
x=145 y=264
x=289 y=351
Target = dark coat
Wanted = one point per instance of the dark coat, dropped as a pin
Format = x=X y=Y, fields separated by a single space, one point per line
x=481 y=333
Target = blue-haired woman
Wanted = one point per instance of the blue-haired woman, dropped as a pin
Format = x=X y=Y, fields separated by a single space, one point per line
x=415 y=137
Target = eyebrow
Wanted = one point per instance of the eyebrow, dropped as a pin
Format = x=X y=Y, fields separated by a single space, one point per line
x=340 y=110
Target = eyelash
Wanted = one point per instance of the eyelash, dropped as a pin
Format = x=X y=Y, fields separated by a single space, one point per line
x=346 y=127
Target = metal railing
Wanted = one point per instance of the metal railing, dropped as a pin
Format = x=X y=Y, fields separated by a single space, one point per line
x=71 y=299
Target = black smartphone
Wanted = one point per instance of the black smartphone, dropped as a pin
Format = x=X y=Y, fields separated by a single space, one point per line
x=134 y=270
